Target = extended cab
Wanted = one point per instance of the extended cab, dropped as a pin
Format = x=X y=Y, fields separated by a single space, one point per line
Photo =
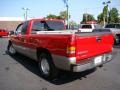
x=53 y=47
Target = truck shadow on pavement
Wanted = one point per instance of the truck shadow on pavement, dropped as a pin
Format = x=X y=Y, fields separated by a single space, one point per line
x=63 y=78
x=66 y=77
x=116 y=46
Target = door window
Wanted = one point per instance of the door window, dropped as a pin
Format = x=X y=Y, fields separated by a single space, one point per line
x=22 y=28
x=19 y=29
x=37 y=26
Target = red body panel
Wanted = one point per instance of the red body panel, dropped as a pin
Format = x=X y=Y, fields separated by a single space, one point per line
x=56 y=44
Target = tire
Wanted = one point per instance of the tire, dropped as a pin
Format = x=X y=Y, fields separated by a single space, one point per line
x=47 y=67
x=101 y=66
x=116 y=40
x=10 y=49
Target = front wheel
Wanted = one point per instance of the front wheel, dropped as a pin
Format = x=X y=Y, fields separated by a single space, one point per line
x=47 y=67
x=116 y=40
x=11 y=49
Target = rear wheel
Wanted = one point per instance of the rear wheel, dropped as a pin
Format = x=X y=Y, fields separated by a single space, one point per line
x=47 y=67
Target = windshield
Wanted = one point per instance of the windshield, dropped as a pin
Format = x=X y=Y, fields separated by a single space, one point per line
x=54 y=25
x=86 y=26
x=110 y=26
x=113 y=26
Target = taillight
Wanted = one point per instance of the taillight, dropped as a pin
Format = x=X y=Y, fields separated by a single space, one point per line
x=71 y=50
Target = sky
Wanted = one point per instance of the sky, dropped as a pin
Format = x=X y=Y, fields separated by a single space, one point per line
x=42 y=8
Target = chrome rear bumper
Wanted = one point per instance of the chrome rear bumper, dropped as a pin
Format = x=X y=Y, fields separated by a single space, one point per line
x=70 y=64
x=94 y=62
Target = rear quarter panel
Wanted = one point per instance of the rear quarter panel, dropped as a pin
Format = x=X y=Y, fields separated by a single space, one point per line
x=56 y=44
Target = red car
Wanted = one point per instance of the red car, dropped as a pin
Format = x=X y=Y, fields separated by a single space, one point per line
x=3 y=32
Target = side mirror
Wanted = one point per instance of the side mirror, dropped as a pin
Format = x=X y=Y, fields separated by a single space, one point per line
x=11 y=32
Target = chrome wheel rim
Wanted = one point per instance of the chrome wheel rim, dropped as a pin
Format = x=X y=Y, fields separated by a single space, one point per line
x=12 y=50
x=45 y=66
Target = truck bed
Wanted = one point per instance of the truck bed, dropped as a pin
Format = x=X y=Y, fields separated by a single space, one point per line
x=88 y=44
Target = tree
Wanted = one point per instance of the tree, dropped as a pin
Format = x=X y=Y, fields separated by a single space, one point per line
x=103 y=17
x=87 y=17
x=73 y=24
x=63 y=15
x=111 y=17
x=100 y=18
x=105 y=13
x=114 y=16
x=119 y=19
x=52 y=16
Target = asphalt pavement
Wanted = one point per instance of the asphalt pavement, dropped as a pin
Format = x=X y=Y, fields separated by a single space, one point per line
x=21 y=73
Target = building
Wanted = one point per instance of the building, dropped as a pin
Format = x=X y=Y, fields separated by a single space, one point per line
x=10 y=23
x=89 y=22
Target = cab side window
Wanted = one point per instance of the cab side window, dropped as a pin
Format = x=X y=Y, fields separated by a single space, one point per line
x=22 y=28
x=19 y=29
x=37 y=26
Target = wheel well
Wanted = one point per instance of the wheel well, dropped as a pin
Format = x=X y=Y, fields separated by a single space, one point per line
x=118 y=35
x=9 y=42
x=43 y=50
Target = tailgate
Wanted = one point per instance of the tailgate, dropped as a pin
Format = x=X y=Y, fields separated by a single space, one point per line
x=93 y=44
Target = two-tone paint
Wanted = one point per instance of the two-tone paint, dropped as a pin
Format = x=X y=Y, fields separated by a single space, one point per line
x=70 y=50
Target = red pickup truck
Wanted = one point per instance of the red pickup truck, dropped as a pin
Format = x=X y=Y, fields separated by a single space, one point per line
x=53 y=47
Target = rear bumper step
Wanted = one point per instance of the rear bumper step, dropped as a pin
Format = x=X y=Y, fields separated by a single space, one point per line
x=94 y=62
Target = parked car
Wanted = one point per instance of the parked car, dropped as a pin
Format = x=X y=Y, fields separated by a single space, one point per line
x=3 y=33
x=89 y=27
x=115 y=29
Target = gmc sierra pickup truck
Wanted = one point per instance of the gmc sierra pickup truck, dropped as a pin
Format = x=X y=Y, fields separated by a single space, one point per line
x=55 y=48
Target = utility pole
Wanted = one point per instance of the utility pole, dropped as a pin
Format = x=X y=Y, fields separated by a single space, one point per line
x=67 y=14
x=25 y=12
x=106 y=4
x=67 y=6
x=86 y=16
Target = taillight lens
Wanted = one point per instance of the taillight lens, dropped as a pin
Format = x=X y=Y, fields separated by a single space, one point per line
x=71 y=50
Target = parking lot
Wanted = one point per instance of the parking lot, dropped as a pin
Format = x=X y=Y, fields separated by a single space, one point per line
x=22 y=73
